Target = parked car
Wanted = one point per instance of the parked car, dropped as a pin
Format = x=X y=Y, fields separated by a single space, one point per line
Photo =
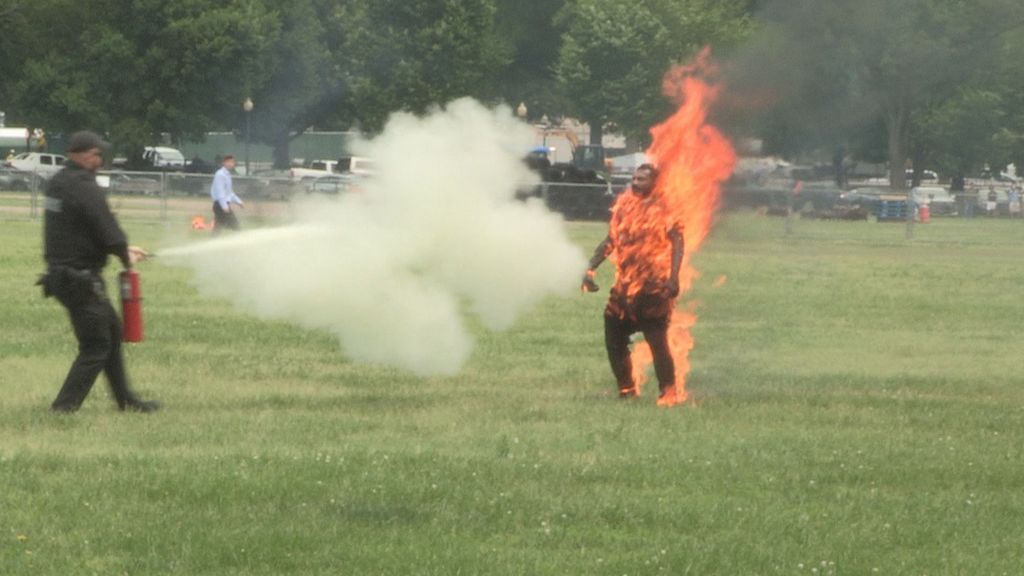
x=42 y=163
x=334 y=184
x=14 y=180
x=865 y=196
x=927 y=176
x=938 y=199
x=312 y=170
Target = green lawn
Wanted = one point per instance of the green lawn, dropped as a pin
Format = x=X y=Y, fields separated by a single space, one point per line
x=858 y=409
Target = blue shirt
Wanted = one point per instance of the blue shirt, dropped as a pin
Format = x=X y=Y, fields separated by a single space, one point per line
x=221 y=191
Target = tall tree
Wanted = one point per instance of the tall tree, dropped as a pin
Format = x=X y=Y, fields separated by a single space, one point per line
x=844 y=63
x=12 y=43
x=614 y=54
x=137 y=69
x=528 y=29
x=413 y=54
x=298 y=84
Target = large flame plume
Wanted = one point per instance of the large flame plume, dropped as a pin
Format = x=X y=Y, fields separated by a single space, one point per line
x=694 y=159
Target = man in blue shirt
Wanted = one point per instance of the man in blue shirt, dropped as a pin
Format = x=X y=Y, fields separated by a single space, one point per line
x=224 y=196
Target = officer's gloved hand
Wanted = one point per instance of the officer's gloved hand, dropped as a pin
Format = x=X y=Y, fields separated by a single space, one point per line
x=137 y=254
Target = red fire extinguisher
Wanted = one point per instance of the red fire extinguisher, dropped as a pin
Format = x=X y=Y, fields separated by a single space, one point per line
x=131 y=306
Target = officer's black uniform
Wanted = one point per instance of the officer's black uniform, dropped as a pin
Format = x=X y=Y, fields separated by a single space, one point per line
x=79 y=232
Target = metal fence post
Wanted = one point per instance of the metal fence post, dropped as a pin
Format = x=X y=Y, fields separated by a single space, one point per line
x=34 y=197
x=163 y=197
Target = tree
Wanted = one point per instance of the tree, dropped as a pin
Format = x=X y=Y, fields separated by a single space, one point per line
x=858 y=61
x=410 y=55
x=298 y=85
x=614 y=55
x=137 y=69
x=960 y=134
x=11 y=39
x=527 y=28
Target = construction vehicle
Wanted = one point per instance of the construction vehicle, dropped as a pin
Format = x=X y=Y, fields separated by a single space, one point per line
x=587 y=166
x=584 y=156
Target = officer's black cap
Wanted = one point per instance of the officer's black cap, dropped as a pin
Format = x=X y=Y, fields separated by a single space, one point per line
x=84 y=141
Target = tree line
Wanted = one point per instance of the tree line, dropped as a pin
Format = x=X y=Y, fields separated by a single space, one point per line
x=928 y=83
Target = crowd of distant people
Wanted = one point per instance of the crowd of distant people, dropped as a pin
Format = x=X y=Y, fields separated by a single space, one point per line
x=989 y=199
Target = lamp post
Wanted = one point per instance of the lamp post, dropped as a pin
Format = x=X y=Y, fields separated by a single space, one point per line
x=247 y=107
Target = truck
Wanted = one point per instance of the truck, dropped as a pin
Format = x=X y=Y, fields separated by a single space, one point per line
x=345 y=165
x=42 y=163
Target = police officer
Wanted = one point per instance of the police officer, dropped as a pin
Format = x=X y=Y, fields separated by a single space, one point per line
x=79 y=232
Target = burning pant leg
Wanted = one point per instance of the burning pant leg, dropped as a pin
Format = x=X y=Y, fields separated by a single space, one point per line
x=656 y=335
x=616 y=340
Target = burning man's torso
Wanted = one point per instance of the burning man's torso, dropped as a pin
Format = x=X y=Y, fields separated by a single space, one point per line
x=642 y=252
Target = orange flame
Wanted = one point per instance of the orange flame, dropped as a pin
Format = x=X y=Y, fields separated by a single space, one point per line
x=694 y=159
x=198 y=223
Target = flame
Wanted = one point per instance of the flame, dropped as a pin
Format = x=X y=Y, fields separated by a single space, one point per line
x=694 y=159
x=198 y=223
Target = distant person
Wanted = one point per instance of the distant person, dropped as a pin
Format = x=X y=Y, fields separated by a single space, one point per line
x=1013 y=196
x=647 y=260
x=79 y=233
x=968 y=200
x=224 y=196
x=990 y=203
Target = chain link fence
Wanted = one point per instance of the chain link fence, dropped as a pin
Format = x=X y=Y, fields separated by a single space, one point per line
x=174 y=197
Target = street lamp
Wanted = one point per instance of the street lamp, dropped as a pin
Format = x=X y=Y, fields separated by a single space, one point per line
x=247 y=106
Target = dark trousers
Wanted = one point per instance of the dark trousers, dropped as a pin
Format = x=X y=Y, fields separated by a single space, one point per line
x=98 y=330
x=223 y=219
x=616 y=339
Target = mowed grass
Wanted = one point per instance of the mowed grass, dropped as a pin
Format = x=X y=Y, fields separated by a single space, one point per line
x=858 y=409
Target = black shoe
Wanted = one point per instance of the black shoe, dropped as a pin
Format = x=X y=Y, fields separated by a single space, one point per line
x=142 y=406
x=57 y=409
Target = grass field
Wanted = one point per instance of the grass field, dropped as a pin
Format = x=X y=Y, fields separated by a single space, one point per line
x=859 y=409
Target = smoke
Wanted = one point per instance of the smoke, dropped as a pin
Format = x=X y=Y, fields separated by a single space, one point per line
x=801 y=76
x=392 y=270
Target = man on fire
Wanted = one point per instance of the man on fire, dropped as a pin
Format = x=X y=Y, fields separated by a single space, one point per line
x=647 y=254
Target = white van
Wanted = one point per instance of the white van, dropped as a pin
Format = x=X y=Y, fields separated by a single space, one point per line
x=163 y=157
x=41 y=163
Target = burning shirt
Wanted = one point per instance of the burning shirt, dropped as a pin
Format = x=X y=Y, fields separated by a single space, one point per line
x=642 y=251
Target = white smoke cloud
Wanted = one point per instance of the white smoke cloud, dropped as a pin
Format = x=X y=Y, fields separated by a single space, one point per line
x=389 y=270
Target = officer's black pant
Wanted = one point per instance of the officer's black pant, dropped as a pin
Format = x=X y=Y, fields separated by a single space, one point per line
x=616 y=339
x=223 y=219
x=98 y=330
